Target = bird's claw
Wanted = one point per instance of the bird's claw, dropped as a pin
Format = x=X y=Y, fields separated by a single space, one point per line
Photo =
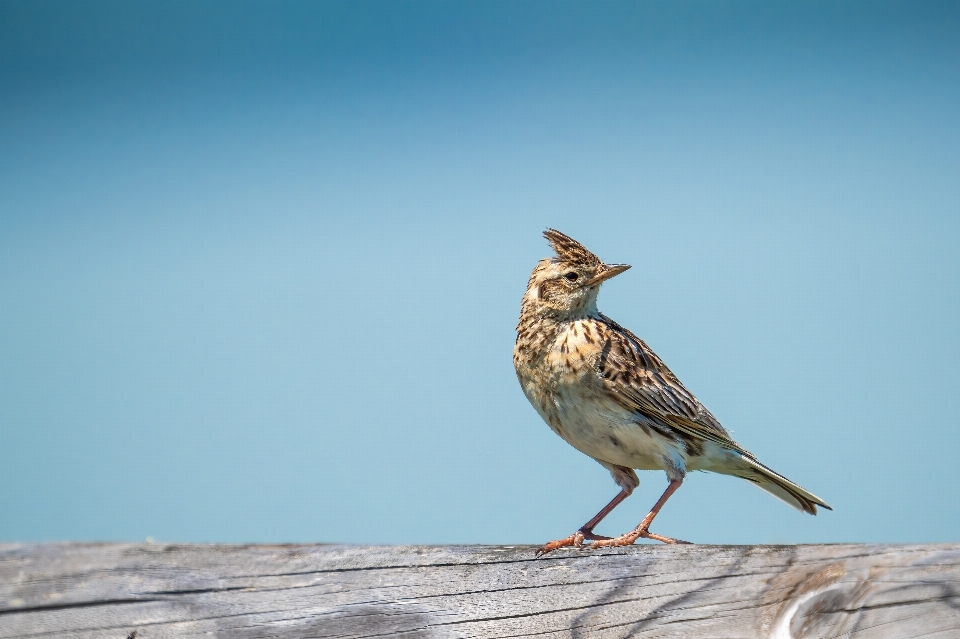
x=623 y=540
x=575 y=540
x=629 y=538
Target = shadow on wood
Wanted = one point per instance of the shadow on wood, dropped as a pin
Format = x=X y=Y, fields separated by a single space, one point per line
x=296 y=592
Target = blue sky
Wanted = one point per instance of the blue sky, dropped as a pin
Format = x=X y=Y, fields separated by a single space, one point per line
x=260 y=263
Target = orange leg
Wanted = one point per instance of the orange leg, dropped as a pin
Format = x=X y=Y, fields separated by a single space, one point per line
x=643 y=530
x=586 y=530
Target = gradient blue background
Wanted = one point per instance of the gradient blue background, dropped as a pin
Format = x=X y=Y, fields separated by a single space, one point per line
x=261 y=263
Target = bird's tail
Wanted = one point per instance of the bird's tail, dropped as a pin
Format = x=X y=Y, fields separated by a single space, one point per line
x=779 y=486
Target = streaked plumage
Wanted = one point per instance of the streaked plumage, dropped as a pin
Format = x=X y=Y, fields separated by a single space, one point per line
x=605 y=392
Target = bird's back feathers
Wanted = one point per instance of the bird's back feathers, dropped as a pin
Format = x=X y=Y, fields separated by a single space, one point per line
x=639 y=380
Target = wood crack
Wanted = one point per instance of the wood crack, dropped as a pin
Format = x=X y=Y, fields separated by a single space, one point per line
x=77 y=604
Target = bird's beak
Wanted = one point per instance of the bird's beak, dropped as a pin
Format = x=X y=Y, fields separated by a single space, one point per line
x=606 y=272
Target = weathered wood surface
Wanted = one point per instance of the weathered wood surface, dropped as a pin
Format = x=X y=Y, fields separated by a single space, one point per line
x=286 y=592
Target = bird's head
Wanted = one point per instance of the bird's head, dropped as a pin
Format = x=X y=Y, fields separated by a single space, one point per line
x=568 y=283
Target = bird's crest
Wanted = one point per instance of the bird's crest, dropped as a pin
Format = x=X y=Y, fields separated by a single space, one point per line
x=570 y=250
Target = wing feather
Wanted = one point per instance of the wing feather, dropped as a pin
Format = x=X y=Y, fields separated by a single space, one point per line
x=639 y=380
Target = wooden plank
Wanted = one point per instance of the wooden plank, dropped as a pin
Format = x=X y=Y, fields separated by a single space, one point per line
x=294 y=592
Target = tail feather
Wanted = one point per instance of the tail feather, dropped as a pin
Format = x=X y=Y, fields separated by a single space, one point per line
x=780 y=487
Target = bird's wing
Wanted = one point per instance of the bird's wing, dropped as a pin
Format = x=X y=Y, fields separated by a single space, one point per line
x=639 y=380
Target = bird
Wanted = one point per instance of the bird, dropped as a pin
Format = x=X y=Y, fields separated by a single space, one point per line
x=606 y=393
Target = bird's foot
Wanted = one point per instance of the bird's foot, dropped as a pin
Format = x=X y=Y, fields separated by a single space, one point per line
x=632 y=536
x=575 y=540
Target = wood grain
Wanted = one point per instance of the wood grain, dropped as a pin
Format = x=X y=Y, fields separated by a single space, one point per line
x=287 y=592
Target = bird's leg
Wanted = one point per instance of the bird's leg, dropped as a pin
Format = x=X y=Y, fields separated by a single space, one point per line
x=586 y=530
x=643 y=530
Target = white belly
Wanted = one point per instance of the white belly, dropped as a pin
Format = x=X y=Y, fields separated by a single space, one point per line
x=600 y=428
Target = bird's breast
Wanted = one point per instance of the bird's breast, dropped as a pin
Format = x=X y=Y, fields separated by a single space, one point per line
x=564 y=385
x=557 y=364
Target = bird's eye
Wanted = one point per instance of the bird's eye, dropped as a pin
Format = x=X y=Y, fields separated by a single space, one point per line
x=572 y=276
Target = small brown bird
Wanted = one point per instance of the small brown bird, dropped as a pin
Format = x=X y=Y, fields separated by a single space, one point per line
x=607 y=394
